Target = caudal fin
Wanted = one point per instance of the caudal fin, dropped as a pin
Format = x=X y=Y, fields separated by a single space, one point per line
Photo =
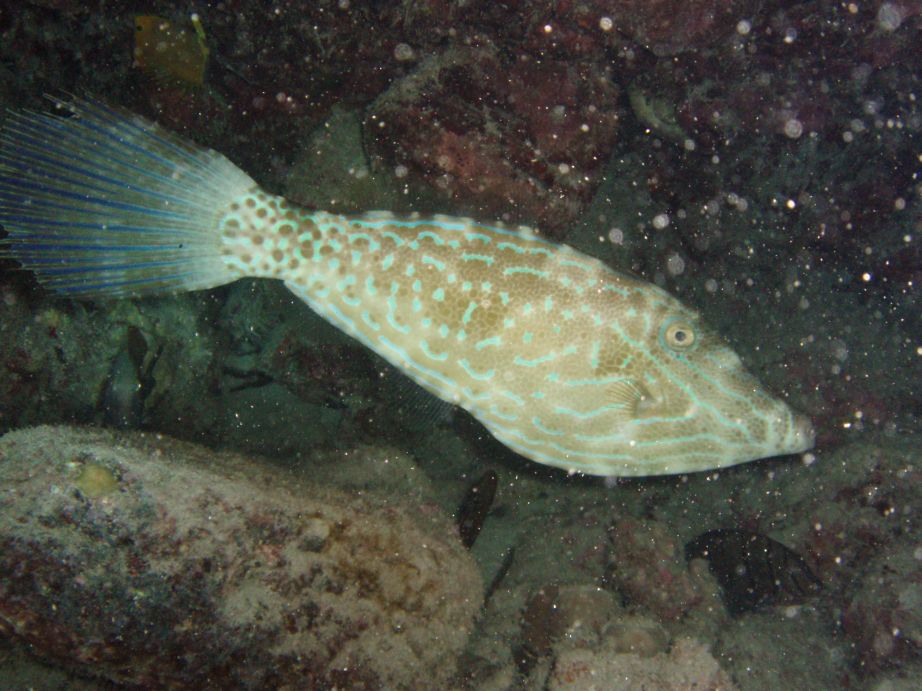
x=100 y=202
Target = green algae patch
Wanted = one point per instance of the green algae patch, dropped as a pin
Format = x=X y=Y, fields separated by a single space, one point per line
x=96 y=480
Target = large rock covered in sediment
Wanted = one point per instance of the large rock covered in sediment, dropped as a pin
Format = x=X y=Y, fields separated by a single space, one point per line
x=153 y=562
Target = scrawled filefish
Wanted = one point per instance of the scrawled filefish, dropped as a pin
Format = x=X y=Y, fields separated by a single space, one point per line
x=564 y=360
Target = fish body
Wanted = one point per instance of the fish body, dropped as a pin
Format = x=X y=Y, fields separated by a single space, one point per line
x=564 y=360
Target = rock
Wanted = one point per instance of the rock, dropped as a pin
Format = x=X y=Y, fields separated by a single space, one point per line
x=510 y=140
x=638 y=636
x=688 y=665
x=784 y=648
x=578 y=613
x=884 y=617
x=647 y=568
x=332 y=171
x=151 y=562
x=380 y=469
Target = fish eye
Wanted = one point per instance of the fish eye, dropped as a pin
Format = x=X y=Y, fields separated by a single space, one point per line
x=679 y=335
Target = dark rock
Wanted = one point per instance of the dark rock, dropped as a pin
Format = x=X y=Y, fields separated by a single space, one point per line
x=511 y=140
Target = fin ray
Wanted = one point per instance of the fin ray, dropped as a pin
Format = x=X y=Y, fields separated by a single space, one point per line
x=103 y=202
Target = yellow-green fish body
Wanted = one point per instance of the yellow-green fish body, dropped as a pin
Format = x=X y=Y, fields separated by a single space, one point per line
x=565 y=361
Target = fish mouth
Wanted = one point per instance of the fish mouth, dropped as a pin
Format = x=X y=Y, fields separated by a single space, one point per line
x=801 y=434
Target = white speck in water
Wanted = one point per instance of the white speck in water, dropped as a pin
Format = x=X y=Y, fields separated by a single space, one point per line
x=743 y=27
x=872 y=106
x=564 y=169
x=606 y=24
x=790 y=35
x=616 y=236
x=710 y=285
x=403 y=52
x=401 y=171
x=689 y=144
x=660 y=221
x=793 y=128
x=889 y=17
x=675 y=264
x=839 y=349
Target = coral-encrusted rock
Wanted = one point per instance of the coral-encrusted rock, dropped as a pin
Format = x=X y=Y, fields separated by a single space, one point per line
x=648 y=569
x=688 y=665
x=152 y=562
x=884 y=618
x=511 y=140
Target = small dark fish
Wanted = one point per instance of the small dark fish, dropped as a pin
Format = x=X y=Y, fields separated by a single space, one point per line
x=542 y=625
x=475 y=507
x=753 y=570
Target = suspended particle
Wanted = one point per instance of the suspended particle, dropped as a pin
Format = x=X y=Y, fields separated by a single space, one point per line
x=404 y=52
x=889 y=17
x=675 y=265
x=793 y=128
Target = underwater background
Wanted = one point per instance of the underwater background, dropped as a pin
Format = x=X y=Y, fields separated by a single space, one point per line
x=221 y=490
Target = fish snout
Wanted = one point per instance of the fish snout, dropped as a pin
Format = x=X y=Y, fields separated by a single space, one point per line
x=802 y=435
x=783 y=431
